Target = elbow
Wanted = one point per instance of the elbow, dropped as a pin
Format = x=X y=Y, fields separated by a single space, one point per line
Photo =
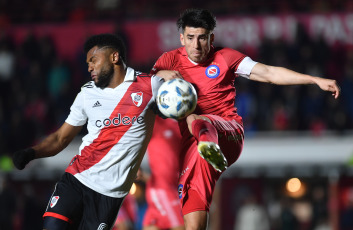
x=263 y=73
x=64 y=142
x=268 y=74
x=271 y=75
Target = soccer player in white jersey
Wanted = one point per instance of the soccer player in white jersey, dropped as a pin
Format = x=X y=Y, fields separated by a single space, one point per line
x=117 y=107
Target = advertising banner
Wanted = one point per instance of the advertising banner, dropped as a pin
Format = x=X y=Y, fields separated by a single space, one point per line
x=147 y=40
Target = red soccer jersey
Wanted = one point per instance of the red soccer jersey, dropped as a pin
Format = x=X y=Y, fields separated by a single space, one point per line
x=163 y=154
x=163 y=151
x=214 y=83
x=213 y=79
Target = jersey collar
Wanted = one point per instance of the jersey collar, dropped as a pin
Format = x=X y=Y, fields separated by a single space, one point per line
x=130 y=74
x=210 y=54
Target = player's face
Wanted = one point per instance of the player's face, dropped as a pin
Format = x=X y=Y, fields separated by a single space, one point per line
x=100 y=66
x=197 y=42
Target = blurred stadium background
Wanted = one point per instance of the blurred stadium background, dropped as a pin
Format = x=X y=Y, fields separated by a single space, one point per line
x=295 y=172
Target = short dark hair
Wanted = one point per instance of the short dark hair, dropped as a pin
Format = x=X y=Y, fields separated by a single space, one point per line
x=197 y=18
x=111 y=40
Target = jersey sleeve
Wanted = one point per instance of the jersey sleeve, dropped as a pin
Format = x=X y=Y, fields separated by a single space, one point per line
x=245 y=67
x=156 y=82
x=77 y=116
x=238 y=62
x=163 y=63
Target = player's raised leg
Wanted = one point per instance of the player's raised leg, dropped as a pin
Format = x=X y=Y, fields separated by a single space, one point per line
x=206 y=135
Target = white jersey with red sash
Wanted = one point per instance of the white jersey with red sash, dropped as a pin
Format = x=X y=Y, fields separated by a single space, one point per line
x=119 y=124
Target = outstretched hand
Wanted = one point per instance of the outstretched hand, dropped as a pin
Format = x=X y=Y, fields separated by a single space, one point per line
x=329 y=85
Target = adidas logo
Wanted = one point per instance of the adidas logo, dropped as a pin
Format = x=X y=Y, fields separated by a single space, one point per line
x=97 y=104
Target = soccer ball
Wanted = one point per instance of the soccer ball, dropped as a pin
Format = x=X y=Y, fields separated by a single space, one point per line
x=176 y=98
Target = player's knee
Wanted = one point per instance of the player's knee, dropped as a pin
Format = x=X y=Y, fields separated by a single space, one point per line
x=196 y=220
x=191 y=118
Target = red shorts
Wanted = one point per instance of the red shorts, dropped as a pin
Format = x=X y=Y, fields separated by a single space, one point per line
x=198 y=178
x=163 y=209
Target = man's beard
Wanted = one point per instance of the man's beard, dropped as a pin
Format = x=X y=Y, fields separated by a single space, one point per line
x=104 y=78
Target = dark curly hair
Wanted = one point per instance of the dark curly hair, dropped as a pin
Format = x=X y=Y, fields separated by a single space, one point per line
x=196 y=18
x=109 y=40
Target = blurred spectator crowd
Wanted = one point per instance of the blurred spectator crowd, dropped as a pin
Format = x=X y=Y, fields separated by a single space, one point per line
x=35 y=91
x=37 y=86
x=18 y=11
x=266 y=107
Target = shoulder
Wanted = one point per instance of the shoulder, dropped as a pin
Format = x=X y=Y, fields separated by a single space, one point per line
x=172 y=54
x=225 y=51
x=143 y=80
x=89 y=88
x=148 y=79
x=231 y=56
x=168 y=60
x=142 y=75
x=133 y=75
x=88 y=85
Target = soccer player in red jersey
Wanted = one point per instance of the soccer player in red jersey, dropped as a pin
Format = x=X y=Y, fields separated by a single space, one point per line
x=216 y=128
x=163 y=210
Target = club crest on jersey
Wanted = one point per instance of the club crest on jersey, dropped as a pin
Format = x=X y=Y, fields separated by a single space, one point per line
x=53 y=201
x=137 y=98
x=180 y=190
x=212 y=71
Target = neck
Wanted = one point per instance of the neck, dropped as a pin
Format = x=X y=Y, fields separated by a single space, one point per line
x=119 y=76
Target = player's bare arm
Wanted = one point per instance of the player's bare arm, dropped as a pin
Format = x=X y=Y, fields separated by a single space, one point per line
x=57 y=141
x=168 y=74
x=283 y=76
x=50 y=146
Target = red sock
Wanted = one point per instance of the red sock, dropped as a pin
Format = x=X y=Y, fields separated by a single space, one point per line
x=204 y=131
